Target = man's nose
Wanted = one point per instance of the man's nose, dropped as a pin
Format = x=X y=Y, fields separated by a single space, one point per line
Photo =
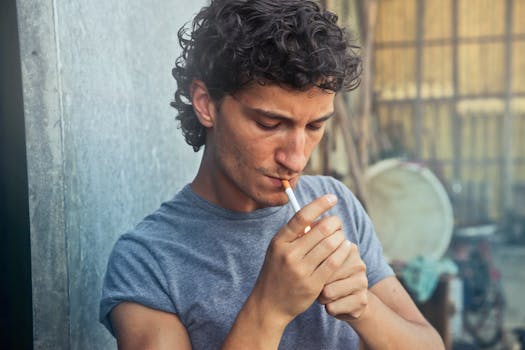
x=291 y=154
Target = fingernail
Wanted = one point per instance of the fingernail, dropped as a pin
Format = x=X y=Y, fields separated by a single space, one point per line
x=331 y=198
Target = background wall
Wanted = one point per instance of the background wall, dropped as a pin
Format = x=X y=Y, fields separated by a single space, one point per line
x=102 y=146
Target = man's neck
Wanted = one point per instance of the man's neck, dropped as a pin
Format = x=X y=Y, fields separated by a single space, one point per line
x=211 y=184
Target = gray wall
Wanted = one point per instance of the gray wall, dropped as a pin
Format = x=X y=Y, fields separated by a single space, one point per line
x=102 y=145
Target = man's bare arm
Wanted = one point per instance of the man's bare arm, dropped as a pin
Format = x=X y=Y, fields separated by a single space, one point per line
x=402 y=324
x=138 y=327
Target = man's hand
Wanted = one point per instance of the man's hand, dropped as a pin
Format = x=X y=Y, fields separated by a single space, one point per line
x=298 y=266
x=345 y=295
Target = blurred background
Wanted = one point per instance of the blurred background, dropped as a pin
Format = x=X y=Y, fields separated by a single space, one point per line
x=432 y=142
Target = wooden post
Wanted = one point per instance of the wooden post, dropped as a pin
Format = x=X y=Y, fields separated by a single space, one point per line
x=367 y=82
x=356 y=171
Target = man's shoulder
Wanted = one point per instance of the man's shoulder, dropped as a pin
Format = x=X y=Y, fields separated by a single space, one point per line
x=162 y=221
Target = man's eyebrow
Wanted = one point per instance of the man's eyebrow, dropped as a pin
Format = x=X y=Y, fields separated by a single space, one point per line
x=273 y=115
x=324 y=118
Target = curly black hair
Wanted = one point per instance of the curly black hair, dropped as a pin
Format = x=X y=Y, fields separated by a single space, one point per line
x=287 y=42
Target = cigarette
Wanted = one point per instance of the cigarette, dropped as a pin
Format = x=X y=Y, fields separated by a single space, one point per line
x=293 y=201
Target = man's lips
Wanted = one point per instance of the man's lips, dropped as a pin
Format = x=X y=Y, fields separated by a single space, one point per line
x=277 y=180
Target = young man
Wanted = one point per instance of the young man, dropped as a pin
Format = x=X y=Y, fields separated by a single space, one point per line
x=226 y=263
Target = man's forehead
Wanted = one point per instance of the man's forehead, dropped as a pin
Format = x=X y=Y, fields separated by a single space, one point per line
x=287 y=103
x=255 y=91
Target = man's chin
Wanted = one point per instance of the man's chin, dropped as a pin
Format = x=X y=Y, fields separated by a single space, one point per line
x=276 y=201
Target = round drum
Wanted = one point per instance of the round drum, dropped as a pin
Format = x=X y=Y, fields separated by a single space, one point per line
x=410 y=209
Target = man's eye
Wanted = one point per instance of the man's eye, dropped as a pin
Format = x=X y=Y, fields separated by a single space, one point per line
x=267 y=126
x=315 y=126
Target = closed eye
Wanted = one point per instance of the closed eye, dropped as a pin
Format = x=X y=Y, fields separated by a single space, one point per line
x=315 y=126
x=265 y=126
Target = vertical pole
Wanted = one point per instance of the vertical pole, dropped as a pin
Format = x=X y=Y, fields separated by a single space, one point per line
x=508 y=117
x=418 y=103
x=456 y=122
x=367 y=82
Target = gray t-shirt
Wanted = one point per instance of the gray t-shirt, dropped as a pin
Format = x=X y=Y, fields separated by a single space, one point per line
x=199 y=261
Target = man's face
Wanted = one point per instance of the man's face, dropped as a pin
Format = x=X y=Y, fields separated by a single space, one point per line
x=261 y=135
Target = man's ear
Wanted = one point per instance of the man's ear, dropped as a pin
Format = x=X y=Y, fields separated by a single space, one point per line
x=202 y=103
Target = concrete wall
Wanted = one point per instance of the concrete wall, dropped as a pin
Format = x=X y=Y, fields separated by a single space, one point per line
x=102 y=145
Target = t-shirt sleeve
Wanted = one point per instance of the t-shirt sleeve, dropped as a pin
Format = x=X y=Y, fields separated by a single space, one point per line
x=366 y=239
x=133 y=274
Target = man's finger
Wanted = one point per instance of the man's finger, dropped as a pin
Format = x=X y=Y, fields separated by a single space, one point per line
x=321 y=229
x=351 y=266
x=324 y=248
x=332 y=263
x=305 y=217
x=341 y=288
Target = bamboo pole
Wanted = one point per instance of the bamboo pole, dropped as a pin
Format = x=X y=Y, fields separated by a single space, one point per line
x=356 y=172
x=367 y=82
